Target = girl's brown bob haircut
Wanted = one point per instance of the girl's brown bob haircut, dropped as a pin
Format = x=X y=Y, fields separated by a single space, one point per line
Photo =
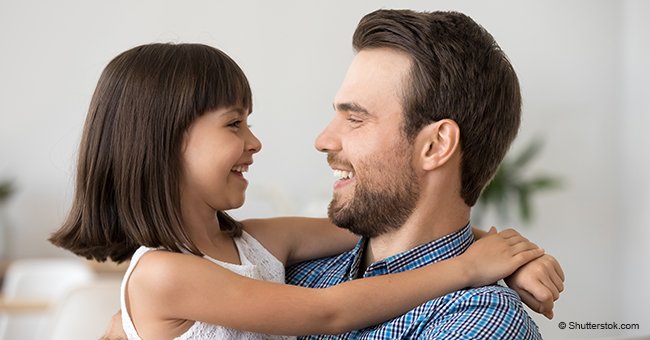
x=129 y=169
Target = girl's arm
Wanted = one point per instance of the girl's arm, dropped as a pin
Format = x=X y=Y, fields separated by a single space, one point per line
x=538 y=283
x=478 y=233
x=297 y=239
x=184 y=287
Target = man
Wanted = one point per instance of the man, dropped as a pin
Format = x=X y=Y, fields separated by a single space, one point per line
x=425 y=114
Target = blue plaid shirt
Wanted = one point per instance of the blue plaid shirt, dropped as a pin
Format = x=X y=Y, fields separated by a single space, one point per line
x=490 y=312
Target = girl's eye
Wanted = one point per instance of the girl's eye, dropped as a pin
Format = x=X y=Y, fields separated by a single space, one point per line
x=236 y=124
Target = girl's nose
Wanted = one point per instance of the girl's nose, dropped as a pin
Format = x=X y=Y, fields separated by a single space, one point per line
x=253 y=144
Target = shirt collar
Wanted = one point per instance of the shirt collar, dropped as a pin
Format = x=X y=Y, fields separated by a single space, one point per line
x=437 y=250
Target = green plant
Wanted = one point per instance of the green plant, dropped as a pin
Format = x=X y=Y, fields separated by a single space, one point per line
x=510 y=185
x=6 y=189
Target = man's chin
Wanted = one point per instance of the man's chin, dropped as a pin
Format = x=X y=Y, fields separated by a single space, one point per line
x=336 y=206
x=334 y=216
x=337 y=215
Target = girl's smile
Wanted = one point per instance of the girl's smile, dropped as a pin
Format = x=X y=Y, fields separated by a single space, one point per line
x=218 y=150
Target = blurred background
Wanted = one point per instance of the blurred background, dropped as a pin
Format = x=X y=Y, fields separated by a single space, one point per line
x=583 y=68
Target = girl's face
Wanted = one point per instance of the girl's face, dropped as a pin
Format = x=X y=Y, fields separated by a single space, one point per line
x=217 y=150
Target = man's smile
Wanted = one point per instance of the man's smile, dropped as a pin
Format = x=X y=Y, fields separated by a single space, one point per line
x=344 y=178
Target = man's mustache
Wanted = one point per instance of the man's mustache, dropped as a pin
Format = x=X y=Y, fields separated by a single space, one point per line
x=336 y=162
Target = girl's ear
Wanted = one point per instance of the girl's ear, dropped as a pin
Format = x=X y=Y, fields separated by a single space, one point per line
x=439 y=141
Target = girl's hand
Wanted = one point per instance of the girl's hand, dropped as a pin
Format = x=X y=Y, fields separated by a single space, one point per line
x=538 y=283
x=498 y=255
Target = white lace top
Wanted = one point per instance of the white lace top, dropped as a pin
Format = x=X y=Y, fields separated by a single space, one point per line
x=256 y=262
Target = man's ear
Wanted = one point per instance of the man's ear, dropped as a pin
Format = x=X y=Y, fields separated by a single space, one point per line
x=439 y=141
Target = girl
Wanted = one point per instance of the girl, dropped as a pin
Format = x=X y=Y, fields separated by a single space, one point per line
x=162 y=156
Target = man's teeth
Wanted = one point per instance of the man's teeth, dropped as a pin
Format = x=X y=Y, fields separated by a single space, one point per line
x=240 y=168
x=342 y=174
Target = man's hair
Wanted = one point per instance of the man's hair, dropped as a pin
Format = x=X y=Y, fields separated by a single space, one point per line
x=129 y=169
x=457 y=72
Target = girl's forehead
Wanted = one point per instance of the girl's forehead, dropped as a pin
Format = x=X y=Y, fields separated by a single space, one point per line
x=231 y=110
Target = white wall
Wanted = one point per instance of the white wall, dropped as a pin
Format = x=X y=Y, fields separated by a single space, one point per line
x=582 y=66
x=633 y=124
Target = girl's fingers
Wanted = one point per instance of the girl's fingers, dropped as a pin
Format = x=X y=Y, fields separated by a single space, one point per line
x=528 y=255
x=508 y=233
x=515 y=239
x=523 y=246
x=553 y=270
x=552 y=287
x=557 y=267
x=543 y=306
x=557 y=281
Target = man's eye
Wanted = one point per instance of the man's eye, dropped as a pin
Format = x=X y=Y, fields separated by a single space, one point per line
x=353 y=120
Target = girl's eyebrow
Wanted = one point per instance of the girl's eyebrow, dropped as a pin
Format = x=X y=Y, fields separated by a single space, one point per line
x=243 y=112
x=238 y=111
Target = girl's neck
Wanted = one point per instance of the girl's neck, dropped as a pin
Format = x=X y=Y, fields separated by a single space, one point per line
x=203 y=229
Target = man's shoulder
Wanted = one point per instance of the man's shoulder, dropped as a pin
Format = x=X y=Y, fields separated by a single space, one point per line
x=482 y=313
x=492 y=298
x=490 y=294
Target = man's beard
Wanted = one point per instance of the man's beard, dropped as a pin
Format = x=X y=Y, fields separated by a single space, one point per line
x=379 y=207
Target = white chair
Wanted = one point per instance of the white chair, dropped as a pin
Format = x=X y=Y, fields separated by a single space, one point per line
x=43 y=280
x=85 y=312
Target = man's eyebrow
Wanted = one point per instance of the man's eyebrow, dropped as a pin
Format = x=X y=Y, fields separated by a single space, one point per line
x=351 y=107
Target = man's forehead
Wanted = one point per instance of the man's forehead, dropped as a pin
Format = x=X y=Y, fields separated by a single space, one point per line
x=374 y=81
x=381 y=62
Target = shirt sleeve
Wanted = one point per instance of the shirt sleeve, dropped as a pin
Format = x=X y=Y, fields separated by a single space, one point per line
x=491 y=312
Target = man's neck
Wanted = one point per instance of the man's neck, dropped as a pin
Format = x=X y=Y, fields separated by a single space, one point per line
x=421 y=227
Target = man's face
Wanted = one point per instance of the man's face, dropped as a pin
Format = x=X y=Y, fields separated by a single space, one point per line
x=377 y=187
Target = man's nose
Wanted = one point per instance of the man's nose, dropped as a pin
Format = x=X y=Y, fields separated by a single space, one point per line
x=329 y=140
